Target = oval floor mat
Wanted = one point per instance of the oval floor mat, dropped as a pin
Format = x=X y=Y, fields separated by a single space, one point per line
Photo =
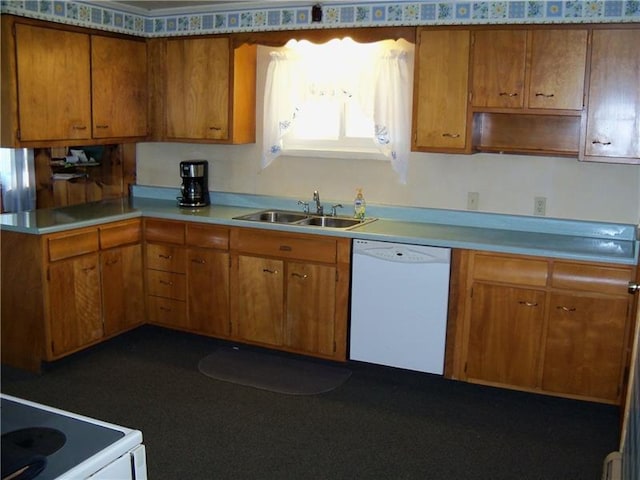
x=272 y=372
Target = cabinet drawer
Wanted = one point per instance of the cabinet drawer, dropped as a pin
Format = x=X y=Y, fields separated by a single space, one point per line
x=164 y=231
x=72 y=244
x=167 y=284
x=120 y=234
x=166 y=311
x=166 y=258
x=520 y=271
x=591 y=278
x=261 y=242
x=207 y=236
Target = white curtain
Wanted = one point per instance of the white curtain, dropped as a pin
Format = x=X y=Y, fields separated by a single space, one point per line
x=17 y=179
x=379 y=76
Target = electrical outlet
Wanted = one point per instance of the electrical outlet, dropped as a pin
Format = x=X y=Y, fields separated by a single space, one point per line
x=473 y=198
x=540 y=206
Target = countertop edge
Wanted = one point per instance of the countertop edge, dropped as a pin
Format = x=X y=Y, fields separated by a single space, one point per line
x=624 y=252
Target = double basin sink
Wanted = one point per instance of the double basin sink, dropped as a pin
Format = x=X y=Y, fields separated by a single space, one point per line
x=287 y=217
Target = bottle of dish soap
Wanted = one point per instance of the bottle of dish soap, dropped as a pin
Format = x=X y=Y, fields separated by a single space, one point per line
x=359 y=205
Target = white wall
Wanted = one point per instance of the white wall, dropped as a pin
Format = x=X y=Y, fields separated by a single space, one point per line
x=506 y=183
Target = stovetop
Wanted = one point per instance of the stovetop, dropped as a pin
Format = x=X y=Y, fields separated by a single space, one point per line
x=63 y=439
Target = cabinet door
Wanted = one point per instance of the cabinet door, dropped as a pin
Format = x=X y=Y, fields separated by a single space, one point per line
x=585 y=346
x=208 y=291
x=442 y=89
x=74 y=303
x=613 y=114
x=499 y=59
x=122 y=291
x=260 y=300
x=558 y=60
x=505 y=334
x=197 y=88
x=311 y=303
x=54 y=98
x=119 y=87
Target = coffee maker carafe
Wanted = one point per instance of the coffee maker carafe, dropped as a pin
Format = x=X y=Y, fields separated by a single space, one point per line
x=195 y=188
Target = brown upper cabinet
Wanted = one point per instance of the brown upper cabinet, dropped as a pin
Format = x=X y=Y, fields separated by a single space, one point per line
x=529 y=69
x=612 y=129
x=440 y=91
x=119 y=87
x=53 y=79
x=209 y=90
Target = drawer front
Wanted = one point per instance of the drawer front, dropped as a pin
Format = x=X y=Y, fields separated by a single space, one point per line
x=167 y=285
x=519 y=271
x=591 y=278
x=72 y=245
x=164 y=231
x=166 y=311
x=166 y=258
x=118 y=234
x=261 y=242
x=207 y=236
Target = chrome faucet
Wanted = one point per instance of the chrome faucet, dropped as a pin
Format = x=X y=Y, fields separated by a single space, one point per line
x=319 y=207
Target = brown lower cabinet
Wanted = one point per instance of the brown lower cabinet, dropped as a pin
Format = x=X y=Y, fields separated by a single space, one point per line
x=274 y=289
x=64 y=291
x=552 y=326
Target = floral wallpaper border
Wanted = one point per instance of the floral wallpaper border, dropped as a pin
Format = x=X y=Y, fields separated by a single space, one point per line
x=101 y=15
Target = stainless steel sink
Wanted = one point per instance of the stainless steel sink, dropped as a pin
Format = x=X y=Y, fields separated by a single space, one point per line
x=331 y=222
x=304 y=219
x=274 y=216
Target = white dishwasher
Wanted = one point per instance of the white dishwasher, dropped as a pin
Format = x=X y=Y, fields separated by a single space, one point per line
x=399 y=301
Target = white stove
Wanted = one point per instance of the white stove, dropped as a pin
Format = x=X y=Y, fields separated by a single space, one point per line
x=45 y=443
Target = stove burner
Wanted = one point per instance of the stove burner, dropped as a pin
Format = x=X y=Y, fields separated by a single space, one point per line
x=25 y=451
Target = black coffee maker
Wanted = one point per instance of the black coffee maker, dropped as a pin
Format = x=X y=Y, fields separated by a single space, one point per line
x=195 y=188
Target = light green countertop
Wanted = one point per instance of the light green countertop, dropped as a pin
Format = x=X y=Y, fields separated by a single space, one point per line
x=590 y=241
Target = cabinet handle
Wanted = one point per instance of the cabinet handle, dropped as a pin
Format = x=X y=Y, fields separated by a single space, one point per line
x=88 y=269
x=506 y=94
x=165 y=309
x=285 y=248
x=217 y=129
x=164 y=282
x=451 y=135
x=166 y=257
x=566 y=309
x=111 y=262
x=198 y=260
x=266 y=270
x=79 y=127
x=545 y=95
x=299 y=275
x=598 y=142
x=102 y=126
x=528 y=304
x=634 y=287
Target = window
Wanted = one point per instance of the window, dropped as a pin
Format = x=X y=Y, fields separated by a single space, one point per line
x=341 y=96
x=327 y=125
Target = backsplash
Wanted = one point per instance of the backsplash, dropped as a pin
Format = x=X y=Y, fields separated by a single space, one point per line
x=99 y=15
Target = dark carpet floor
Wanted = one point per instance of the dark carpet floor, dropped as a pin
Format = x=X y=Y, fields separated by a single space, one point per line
x=383 y=423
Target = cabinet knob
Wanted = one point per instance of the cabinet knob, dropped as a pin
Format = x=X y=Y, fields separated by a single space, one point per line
x=566 y=309
x=634 y=287
x=528 y=304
